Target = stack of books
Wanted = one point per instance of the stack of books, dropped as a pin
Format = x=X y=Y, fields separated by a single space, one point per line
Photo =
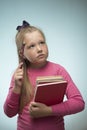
x=50 y=90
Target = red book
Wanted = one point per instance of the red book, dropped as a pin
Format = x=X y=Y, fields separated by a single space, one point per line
x=50 y=90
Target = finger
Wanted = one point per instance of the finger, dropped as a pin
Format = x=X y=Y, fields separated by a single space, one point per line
x=30 y=107
x=18 y=73
x=34 y=104
x=20 y=65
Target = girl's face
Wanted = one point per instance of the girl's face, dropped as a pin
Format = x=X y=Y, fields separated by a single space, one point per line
x=35 y=49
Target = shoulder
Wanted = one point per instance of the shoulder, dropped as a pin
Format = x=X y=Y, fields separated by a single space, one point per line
x=59 y=69
x=56 y=65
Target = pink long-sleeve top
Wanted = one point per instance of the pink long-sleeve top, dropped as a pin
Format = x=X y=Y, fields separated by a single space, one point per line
x=72 y=105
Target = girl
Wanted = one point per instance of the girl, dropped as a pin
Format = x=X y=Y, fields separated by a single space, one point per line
x=32 y=53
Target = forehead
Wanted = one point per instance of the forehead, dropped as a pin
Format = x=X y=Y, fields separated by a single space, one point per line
x=33 y=36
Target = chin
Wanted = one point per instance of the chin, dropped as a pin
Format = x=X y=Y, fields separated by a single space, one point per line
x=41 y=62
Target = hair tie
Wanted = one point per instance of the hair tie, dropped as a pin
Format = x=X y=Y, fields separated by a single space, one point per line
x=24 y=25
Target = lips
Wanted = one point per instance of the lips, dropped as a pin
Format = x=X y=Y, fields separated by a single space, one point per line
x=40 y=56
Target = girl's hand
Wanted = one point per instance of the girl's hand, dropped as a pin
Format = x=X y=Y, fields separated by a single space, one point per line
x=18 y=78
x=37 y=110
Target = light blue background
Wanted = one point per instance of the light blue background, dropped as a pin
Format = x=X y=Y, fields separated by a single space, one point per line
x=64 y=23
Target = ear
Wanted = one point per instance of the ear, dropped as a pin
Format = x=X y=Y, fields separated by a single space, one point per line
x=20 y=53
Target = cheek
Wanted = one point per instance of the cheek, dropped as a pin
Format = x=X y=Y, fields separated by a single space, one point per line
x=29 y=56
x=46 y=50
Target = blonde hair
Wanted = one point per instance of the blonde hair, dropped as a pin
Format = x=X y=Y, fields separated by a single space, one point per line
x=27 y=89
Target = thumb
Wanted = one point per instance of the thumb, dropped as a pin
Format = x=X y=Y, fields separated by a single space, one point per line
x=35 y=104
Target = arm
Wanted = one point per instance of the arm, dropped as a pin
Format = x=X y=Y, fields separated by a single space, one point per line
x=11 y=105
x=72 y=105
x=74 y=102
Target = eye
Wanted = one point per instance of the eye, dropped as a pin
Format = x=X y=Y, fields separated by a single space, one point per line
x=42 y=42
x=31 y=46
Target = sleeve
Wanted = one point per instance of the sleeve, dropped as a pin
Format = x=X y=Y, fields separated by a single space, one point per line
x=74 y=102
x=11 y=104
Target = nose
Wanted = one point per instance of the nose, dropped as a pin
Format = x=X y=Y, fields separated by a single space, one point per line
x=39 y=48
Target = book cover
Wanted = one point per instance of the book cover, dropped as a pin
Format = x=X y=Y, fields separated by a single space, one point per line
x=50 y=92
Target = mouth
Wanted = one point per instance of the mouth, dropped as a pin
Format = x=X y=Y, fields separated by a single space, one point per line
x=41 y=56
